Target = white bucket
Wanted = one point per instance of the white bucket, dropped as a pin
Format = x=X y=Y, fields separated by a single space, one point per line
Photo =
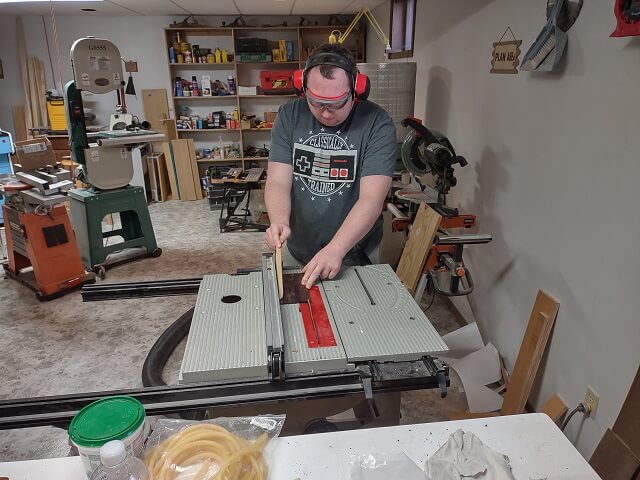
x=113 y=418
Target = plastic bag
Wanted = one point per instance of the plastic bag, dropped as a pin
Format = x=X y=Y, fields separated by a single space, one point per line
x=219 y=449
x=384 y=466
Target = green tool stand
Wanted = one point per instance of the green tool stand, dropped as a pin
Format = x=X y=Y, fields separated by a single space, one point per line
x=88 y=209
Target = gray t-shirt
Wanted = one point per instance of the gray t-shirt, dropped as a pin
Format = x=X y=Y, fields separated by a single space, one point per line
x=328 y=163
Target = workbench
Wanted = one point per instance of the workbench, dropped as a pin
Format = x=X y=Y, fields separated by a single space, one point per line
x=536 y=446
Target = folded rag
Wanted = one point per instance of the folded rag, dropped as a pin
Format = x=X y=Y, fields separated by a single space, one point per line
x=465 y=456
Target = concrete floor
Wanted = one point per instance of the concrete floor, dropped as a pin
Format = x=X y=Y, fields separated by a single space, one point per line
x=66 y=346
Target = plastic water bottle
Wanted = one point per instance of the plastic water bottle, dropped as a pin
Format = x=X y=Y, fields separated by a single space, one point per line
x=117 y=465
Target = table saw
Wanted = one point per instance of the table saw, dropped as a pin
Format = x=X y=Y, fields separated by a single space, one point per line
x=240 y=328
x=332 y=357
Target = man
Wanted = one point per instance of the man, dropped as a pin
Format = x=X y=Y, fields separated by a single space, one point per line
x=330 y=167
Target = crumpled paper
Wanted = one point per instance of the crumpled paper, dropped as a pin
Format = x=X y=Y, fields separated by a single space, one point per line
x=465 y=456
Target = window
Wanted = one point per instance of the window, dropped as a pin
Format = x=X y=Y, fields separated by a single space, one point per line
x=402 y=27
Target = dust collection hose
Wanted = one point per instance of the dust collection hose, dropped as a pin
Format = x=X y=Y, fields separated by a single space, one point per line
x=159 y=355
x=161 y=350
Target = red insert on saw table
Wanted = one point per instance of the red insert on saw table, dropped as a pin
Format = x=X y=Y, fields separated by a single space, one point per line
x=317 y=326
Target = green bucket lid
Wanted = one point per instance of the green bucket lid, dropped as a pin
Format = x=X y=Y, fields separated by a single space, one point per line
x=112 y=418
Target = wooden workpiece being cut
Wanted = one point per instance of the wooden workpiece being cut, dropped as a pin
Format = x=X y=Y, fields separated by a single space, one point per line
x=278 y=259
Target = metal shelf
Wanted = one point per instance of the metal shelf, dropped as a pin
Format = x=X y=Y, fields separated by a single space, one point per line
x=267 y=96
x=202 y=65
x=223 y=160
x=207 y=130
x=296 y=62
x=200 y=97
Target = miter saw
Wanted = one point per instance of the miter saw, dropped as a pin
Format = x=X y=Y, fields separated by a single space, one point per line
x=426 y=152
x=430 y=152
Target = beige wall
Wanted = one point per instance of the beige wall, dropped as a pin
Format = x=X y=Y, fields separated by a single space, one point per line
x=553 y=171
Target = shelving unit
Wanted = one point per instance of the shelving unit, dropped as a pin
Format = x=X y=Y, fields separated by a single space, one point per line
x=245 y=74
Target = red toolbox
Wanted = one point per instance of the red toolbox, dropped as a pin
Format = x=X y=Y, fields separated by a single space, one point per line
x=277 y=82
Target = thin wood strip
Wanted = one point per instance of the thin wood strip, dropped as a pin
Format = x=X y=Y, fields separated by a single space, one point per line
x=533 y=345
x=21 y=50
x=555 y=408
x=183 y=169
x=193 y=166
x=42 y=91
x=20 y=123
x=171 y=171
x=278 y=259
x=163 y=178
x=415 y=252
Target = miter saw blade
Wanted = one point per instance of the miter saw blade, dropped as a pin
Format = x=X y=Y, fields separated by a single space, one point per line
x=421 y=156
x=414 y=155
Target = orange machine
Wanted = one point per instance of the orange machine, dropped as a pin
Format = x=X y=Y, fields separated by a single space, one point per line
x=41 y=238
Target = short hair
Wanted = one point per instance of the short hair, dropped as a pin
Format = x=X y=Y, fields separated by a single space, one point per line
x=327 y=70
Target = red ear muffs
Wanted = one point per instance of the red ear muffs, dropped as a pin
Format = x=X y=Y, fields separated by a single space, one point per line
x=298 y=82
x=361 y=87
x=361 y=84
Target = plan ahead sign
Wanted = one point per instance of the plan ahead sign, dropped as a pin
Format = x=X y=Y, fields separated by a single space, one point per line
x=505 y=58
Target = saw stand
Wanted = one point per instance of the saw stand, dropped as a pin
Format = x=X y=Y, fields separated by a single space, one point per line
x=39 y=234
x=106 y=164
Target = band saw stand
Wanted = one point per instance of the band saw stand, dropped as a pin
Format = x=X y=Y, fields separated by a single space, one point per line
x=429 y=152
x=106 y=164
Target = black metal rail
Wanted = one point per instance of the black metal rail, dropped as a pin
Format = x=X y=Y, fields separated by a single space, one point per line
x=379 y=378
x=59 y=410
x=160 y=288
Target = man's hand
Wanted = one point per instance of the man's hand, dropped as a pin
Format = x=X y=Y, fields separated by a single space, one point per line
x=325 y=264
x=276 y=235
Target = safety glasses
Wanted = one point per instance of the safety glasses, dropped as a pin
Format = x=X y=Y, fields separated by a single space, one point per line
x=331 y=104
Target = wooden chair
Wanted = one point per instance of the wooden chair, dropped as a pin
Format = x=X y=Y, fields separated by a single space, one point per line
x=543 y=315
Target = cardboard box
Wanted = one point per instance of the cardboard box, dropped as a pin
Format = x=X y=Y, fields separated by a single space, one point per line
x=276 y=55
x=36 y=153
x=270 y=116
x=282 y=44
x=247 y=90
x=245 y=124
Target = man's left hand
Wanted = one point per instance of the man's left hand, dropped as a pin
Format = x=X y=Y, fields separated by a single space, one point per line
x=325 y=264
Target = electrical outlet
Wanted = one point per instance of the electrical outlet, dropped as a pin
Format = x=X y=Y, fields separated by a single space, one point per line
x=591 y=399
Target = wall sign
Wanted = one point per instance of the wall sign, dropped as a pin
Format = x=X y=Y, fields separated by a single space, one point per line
x=130 y=66
x=506 y=53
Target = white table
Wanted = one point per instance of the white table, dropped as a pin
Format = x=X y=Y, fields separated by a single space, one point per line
x=535 y=445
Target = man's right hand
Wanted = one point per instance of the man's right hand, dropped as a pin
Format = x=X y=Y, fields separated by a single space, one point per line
x=276 y=235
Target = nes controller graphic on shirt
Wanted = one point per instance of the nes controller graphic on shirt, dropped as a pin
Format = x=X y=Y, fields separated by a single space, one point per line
x=325 y=163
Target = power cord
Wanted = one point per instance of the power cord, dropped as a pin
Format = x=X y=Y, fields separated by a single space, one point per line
x=582 y=407
x=433 y=297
